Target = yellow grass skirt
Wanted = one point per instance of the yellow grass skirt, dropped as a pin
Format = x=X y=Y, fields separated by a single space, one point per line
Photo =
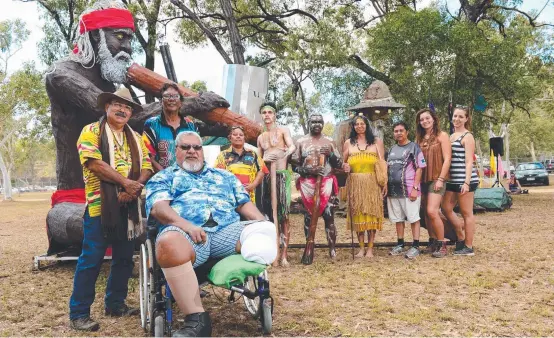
x=365 y=202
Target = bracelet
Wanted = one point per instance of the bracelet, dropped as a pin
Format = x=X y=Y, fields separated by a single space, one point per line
x=466 y=184
x=440 y=179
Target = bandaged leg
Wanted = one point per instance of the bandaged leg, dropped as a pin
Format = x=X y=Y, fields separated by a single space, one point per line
x=184 y=287
x=259 y=242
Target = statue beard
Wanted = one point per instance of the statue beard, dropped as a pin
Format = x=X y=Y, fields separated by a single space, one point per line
x=112 y=68
x=192 y=165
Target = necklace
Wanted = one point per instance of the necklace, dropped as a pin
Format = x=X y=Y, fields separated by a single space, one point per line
x=120 y=145
x=358 y=146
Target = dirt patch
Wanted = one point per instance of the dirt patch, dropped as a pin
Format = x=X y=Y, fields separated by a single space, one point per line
x=507 y=289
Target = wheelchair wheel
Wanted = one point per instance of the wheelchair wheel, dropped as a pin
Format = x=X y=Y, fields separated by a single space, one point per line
x=252 y=305
x=267 y=315
x=151 y=288
x=159 y=323
x=143 y=292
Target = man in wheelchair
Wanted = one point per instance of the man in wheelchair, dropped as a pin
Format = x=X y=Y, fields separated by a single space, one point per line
x=199 y=209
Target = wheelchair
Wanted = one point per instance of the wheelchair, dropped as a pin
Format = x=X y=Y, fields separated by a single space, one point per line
x=156 y=301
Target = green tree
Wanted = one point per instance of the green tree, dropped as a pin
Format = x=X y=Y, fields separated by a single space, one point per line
x=24 y=115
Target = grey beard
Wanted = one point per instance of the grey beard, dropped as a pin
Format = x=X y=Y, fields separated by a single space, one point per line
x=192 y=167
x=112 y=68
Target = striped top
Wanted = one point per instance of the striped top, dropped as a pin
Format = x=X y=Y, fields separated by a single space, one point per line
x=458 y=164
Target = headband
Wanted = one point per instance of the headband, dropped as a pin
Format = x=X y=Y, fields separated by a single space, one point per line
x=267 y=108
x=106 y=18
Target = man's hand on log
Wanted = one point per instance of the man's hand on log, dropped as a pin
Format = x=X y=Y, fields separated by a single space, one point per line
x=270 y=157
x=316 y=171
x=133 y=188
x=213 y=100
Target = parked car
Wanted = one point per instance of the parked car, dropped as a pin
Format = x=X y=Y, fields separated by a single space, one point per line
x=549 y=165
x=532 y=173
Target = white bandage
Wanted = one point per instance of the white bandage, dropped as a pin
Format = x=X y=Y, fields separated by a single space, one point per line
x=259 y=242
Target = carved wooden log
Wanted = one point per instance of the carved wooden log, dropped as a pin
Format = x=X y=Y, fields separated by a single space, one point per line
x=151 y=82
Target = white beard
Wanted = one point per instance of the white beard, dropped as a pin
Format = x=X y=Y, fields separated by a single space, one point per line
x=112 y=68
x=192 y=166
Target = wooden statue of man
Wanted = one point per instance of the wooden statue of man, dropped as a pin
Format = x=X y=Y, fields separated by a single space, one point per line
x=307 y=163
x=97 y=64
x=276 y=145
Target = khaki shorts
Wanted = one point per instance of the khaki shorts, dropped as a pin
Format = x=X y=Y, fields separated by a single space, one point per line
x=427 y=188
x=401 y=209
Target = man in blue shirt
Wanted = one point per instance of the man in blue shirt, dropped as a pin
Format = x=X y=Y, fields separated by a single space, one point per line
x=200 y=209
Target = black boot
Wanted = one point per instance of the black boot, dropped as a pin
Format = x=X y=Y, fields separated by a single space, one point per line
x=196 y=325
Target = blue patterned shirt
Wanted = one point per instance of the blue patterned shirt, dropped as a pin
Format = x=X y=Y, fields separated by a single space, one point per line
x=196 y=196
x=159 y=138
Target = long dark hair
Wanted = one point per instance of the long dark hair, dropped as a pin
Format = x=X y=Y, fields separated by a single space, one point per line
x=369 y=138
x=420 y=132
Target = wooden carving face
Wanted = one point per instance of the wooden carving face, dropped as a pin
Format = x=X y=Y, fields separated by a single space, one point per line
x=117 y=40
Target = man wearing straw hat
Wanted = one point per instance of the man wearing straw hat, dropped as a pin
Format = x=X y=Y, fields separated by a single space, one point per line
x=116 y=166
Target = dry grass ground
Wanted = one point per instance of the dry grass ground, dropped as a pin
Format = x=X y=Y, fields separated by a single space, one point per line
x=506 y=289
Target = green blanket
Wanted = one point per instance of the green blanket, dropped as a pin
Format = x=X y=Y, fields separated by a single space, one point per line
x=233 y=270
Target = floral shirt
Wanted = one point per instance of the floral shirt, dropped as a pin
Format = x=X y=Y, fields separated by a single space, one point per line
x=244 y=166
x=212 y=194
x=87 y=146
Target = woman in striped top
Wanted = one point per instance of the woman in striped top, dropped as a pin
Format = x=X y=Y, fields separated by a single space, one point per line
x=462 y=183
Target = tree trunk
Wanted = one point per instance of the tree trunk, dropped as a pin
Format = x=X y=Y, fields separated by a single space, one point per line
x=6 y=180
x=234 y=35
x=507 y=146
x=532 y=150
x=304 y=114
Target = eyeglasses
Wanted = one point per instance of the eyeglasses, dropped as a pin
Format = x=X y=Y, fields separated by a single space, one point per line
x=171 y=96
x=122 y=106
x=237 y=127
x=186 y=147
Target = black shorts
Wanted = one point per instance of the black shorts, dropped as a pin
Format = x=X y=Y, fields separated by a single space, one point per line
x=454 y=187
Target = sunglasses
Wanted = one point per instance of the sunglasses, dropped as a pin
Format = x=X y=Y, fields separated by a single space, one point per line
x=461 y=106
x=186 y=147
x=237 y=127
x=171 y=96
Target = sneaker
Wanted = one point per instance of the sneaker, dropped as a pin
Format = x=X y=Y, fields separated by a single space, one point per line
x=397 y=250
x=84 y=324
x=196 y=325
x=465 y=251
x=440 y=250
x=122 y=311
x=459 y=245
x=412 y=253
x=430 y=248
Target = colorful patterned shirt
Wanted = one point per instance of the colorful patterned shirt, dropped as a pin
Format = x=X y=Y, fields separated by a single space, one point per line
x=244 y=166
x=403 y=161
x=159 y=137
x=87 y=146
x=196 y=197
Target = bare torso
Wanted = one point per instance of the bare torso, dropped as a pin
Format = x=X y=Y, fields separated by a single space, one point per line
x=307 y=154
x=274 y=142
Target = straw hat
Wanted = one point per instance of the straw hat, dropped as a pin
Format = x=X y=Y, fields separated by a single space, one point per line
x=122 y=94
x=377 y=95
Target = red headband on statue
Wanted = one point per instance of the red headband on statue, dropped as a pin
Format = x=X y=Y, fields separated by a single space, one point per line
x=106 y=18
